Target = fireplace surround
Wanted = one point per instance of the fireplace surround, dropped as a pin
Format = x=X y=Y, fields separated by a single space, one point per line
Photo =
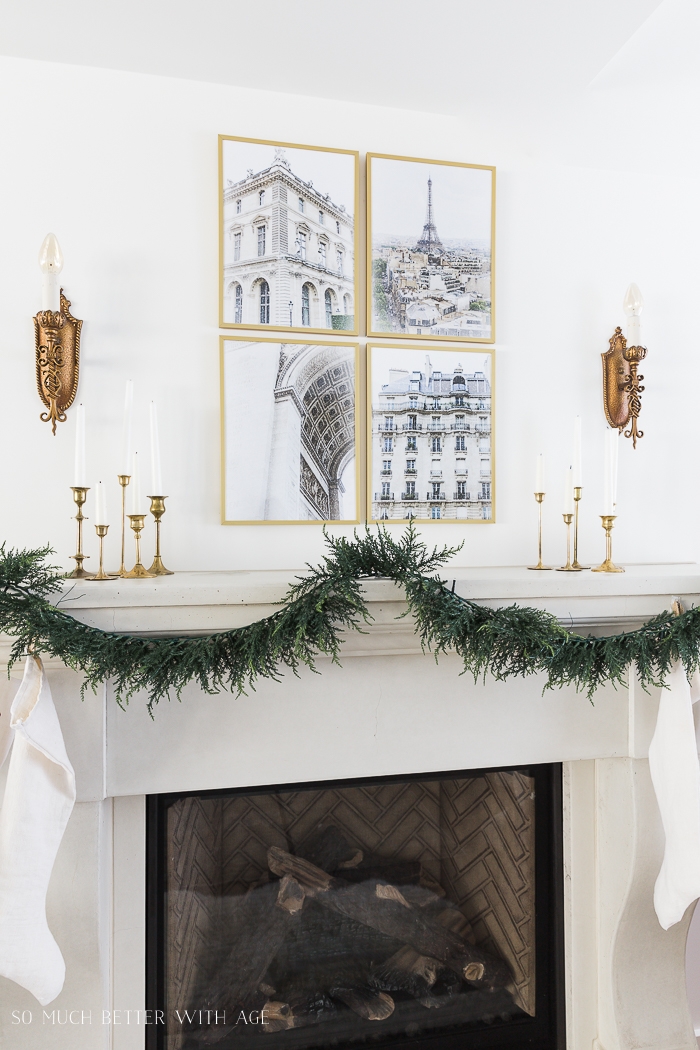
x=389 y=711
x=465 y=864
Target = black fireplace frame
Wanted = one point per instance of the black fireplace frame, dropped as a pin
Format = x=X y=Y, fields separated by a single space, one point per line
x=545 y=1031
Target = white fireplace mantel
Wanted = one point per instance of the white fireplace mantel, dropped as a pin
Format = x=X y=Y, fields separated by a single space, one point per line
x=390 y=709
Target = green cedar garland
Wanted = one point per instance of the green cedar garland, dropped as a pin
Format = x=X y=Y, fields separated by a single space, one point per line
x=317 y=608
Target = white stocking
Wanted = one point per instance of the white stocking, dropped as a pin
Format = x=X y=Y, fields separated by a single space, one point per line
x=39 y=798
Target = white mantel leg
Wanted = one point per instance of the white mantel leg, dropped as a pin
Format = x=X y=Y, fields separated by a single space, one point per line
x=641 y=968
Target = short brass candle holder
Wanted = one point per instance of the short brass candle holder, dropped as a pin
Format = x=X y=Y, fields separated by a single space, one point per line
x=568 y=518
x=79 y=573
x=608 y=565
x=124 y=480
x=539 y=496
x=138 y=572
x=578 y=492
x=101 y=531
x=158 y=510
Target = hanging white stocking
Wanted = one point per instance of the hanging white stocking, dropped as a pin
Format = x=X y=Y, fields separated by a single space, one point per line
x=39 y=799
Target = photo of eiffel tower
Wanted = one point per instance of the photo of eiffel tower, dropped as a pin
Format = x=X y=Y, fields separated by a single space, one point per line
x=425 y=283
x=430 y=241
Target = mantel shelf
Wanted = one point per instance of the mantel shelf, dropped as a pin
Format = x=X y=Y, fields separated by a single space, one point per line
x=211 y=601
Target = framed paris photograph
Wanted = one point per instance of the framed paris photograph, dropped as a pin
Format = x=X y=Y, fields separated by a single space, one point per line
x=287 y=236
x=430 y=434
x=430 y=249
x=290 y=431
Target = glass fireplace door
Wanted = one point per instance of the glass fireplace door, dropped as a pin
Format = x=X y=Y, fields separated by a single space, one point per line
x=415 y=911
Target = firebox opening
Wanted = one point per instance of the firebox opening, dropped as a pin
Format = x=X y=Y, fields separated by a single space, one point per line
x=421 y=911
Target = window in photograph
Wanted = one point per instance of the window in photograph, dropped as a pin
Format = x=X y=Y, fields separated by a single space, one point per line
x=264 y=302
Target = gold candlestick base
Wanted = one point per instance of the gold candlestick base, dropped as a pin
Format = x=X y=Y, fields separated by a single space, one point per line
x=608 y=565
x=139 y=572
x=101 y=531
x=79 y=573
x=158 y=510
x=539 y=496
x=578 y=492
x=568 y=518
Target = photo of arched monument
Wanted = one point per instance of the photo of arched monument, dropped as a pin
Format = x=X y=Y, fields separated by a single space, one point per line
x=290 y=431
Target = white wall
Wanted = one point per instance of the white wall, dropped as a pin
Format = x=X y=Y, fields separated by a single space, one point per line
x=123 y=168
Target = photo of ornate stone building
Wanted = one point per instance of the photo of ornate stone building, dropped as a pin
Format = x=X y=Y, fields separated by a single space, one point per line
x=430 y=271
x=289 y=431
x=431 y=452
x=287 y=241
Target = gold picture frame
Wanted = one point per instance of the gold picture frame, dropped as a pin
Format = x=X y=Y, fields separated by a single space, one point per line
x=295 y=386
x=323 y=275
x=421 y=315
x=422 y=463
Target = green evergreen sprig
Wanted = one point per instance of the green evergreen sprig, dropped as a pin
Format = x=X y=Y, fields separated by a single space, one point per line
x=317 y=608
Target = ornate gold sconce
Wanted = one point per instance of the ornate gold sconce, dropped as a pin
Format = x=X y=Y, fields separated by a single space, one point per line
x=56 y=340
x=622 y=389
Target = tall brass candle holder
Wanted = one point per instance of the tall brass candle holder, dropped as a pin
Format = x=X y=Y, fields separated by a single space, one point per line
x=79 y=573
x=539 y=496
x=139 y=572
x=608 y=565
x=158 y=510
x=578 y=492
x=124 y=480
x=101 y=531
x=568 y=518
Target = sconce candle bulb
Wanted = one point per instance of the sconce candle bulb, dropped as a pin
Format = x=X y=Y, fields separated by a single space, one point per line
x=50 y=264
x=633 y=305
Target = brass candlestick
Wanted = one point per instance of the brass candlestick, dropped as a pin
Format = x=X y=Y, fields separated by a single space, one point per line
x=158 y=510
x=138 y=572
x=608 y=565
x=101 y=531
x=568 y=518
x=578 y=492
x=124 y=480
x=539 y=496
x=79 y=495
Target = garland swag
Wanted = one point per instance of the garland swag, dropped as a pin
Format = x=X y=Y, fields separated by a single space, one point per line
x=316 y=610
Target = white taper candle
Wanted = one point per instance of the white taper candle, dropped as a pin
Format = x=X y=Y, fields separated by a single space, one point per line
x=80 y=476
x=126 y=461
x=577 y=462
x=607 y=476
x=100 y=505
x=156 y=479
x=136 y=504
x=569 y=491
x=539 y=474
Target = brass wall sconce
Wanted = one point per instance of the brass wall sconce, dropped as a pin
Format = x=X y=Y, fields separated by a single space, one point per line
x=56 y=340
x=622 y=389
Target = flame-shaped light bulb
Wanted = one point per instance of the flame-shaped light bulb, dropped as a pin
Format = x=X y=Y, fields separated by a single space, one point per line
x=632 y=305
x=633 y=302
x=50 y=264
x=50 y=255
